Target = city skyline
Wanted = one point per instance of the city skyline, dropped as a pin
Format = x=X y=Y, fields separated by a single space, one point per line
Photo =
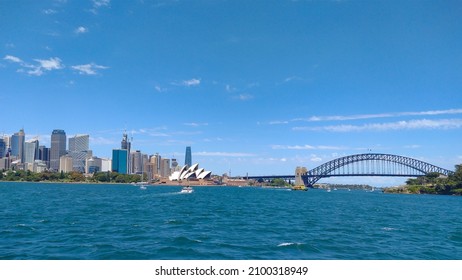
x=272 y=86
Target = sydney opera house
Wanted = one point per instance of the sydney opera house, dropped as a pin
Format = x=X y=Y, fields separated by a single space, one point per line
x=193 y=172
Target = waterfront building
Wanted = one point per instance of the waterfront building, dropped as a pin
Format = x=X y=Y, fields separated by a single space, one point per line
x=58 y=148
x=193 y=172
x=188 y=157
x=39 y=166
x=17 y=145
x=66 y=164
x=93 y=164
x=106 y=164
x=31 y=151
x=120 y=161
x=165 y=167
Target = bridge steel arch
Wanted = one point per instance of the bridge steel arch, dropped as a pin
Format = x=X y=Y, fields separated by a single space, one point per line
x=331 y=168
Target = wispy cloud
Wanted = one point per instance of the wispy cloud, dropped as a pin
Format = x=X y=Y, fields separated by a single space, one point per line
x=53 y=63
x=81 y=30
x=196 y=124
x=97 y=4
x=441 y=124
x=382 y=115
x=243 y=96
x=223 y=154
x=49 y=11
x=187 y=83
x=12 y=59
x=88 y=69
x=306 y=147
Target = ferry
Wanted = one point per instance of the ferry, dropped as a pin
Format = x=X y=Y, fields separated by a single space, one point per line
x=299 y=188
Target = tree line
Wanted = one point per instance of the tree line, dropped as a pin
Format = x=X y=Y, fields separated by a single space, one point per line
x=68 y=177
x=433 y=183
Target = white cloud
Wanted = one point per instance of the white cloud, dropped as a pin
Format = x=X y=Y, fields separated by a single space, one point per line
x=53 y=63
x=222 y=154
x=101 y=3
x=12 y=59
x=305 y=147
x=88 y=69
x=49 y=11
x=399 y=125
x=191 y=82
x=243 y=97
x=81 y=30
x=196 y=124
x=383 y=115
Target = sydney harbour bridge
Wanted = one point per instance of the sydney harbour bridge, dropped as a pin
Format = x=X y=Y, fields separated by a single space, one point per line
x=370 y=164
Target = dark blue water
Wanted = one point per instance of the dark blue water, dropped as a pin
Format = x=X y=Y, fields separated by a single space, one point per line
x=67 y=221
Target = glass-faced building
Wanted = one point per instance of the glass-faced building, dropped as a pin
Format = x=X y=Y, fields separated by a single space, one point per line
x=58 y=148
x=120 y=161
x=188 y=157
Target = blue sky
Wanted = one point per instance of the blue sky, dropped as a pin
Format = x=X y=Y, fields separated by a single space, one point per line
x=252 y=86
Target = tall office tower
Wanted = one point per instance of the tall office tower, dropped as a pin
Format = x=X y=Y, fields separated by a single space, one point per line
x=2 y=148
x=188 y=157
x=31 y=151
x=44 y=153
x=137 y=162
x=79 y=143
x=79 y=151
x=7 y=140
x=165 y=167
x=120 y=161
x=58 y=148
x=17 y=145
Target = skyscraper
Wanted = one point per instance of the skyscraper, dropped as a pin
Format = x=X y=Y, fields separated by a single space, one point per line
x=120 y=161
x=79 y=151
x=58 y=148
x=2 y=148
x=79 y=143
x=17 y=145
x=31 y=151
x=188 y=157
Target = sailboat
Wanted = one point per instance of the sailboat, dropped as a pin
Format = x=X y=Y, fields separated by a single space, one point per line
x=142 y=185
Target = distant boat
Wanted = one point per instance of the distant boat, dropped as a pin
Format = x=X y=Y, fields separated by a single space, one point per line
x=187 y=189
x=328 y=190
x=299 y=188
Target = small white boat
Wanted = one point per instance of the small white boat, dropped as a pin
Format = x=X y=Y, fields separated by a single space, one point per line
x=187 y=189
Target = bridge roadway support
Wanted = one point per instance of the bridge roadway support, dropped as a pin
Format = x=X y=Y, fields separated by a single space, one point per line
x=372 y=165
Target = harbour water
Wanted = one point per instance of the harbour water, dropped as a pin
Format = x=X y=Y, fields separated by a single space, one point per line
x=84 y=221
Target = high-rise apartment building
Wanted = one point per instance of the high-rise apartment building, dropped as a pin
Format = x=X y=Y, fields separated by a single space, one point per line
x=188 y=157
x=17 y=145
x=58 y=148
